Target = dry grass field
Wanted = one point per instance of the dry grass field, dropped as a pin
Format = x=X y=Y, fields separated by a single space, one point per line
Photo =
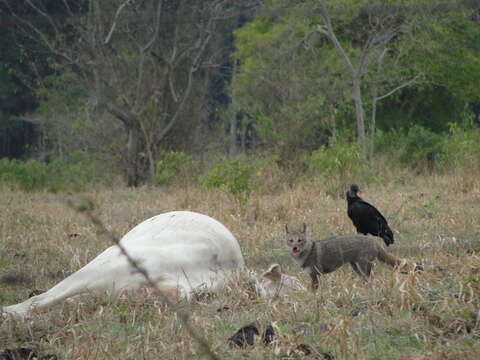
x=433 y=315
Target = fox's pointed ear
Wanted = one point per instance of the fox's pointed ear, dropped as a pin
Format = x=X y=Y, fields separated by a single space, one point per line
x=303 y=229
x=286 y=228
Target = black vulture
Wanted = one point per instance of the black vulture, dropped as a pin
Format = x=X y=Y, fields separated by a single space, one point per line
x=366 y=218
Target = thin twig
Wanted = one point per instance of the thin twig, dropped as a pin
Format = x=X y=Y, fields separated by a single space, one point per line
x=399 y=87
x=85 y=206
x=114 y=24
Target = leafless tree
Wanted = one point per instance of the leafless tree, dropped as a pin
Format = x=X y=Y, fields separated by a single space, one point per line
x=139 y=59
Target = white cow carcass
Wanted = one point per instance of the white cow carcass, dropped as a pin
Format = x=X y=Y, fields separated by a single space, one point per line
x=182 y=251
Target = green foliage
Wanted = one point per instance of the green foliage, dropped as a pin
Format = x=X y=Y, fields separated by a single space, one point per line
x=59 y=175
x=296 y=87
x=422 y=148
x=175 y=166
x=455 y=37
x=433 y=107
x=237 y=176
x=339 y=164
x=425 y=150
x=60 y=93
x=460 y=147
x=28 y=176
x=388 y=141
x=283 y=85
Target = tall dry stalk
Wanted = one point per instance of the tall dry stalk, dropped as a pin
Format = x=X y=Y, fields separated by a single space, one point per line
x=85 y=207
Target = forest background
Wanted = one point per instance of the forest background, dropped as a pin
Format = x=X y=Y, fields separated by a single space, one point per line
x=214 y=92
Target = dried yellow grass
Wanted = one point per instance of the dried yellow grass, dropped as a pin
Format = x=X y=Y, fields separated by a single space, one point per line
x=429 y=316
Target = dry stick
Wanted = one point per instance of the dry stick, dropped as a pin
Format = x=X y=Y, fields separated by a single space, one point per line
x=396 y=212
x=85 y=206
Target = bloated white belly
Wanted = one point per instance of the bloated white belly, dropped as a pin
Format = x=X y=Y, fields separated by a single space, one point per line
x=180 y=250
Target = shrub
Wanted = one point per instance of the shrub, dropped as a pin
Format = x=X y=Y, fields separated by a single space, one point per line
x=339 y=164
x=237 y=176
x=173 y=166
x=75 y=173
x=388 y=141
x=461 y=147
x=59 y=175
x=28 y=176
x=422 y=149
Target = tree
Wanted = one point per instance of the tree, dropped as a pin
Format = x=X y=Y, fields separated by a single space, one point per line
x=383 y=26
x=140 y=61
x=445 y=49
x=303 y=63
x=282 y=83
x=15 y=98
x=453 y=59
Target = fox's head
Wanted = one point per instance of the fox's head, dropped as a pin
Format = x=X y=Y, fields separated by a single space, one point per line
x=296 y=240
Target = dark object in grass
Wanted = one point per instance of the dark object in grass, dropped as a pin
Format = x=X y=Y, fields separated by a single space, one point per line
x=417 y=268
x=268 y=335
x=307 y=350
x=18 y=354
x=366 y=218
x=15 y=278
x=246 y=335
x=35 y=292
x=24 y=354
x=223 y=308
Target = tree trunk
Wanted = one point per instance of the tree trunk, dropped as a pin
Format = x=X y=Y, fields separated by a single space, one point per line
x=357 y=94
x=232 y=150
x=373 y=126
x=133 y=150
x=244 y=138
x=151 y=162
x=373 y=122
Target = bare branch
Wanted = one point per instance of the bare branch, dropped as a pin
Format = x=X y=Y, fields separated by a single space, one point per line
x=364 y=55
x=115 y=19
x=30 y=119
x=173 y=61
x=405 y=84
x=157 y=27
x=322 y=29
x=201 y=45
x=69 y=9
x=327 y=30
x=126 y=118
x=45 y=15
x=171 y=85
x=380 y=60
x=30 y=25
x=144 y=49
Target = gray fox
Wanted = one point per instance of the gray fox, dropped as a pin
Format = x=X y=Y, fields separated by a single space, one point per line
x=324 y=256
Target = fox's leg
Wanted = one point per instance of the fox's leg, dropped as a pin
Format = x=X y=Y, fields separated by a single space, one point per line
x=362 y=268
x=314 y=277
x=367 y=266
x=355 y=268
